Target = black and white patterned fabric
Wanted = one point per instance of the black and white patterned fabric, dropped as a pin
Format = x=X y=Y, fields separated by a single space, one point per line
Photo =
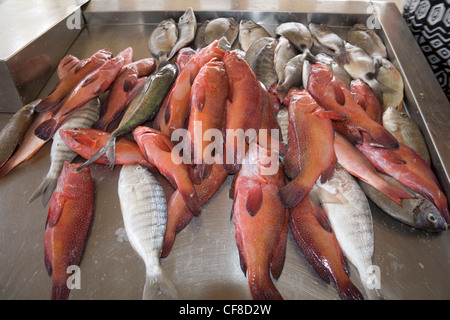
x=429 y=22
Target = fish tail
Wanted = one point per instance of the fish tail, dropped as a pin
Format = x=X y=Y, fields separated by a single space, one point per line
x=159 y=283
x=100 y=124
x=348 y=291
x=45 y=105
x=45 y=189
x=393 y=192
x=110 y=151
x=262 y=287
x=381 y=137
x=110 y=144
x=293 y=192
x=60 y=291
x=46 y=129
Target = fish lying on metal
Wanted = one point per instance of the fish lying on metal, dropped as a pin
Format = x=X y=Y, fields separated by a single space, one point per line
x=297 y=34
x=199 y=39
x=310 y=153
x=260 y=57
x=349 y=214
x=90 y=87
x=316 y=239
x=221 y=27
x=284 y=52
x=187 y=26
x=60 y=152
x=365 y=97
x=163 y=39
x=332 y=94
x=261 y=224
x=368 y=40
x=15 y=129
x=144 y=212
x=249 y=32
x=143 y=107
x=65 y=65
x=75 y=75
x=157 y=150
x=416 y=212
x=69 y=218
x=327 y=37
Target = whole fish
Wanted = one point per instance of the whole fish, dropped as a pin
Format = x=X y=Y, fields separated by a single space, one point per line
x=60 y=152
x=406 y=131
x=292 y=76
x=416 y=212
x=221 y=27
x=348 y=211
x=144 y=212
x=260 y=57
x=209 y=94
x=86 y=142
x=338 y=71
x=297 y=34
x=284 y=52
x=15 y=129
x=316 y=239
x=249 y=32
x=74 y=76
x=184 y=55
x=64 y=66
x=408 y=168
x=157 y=149
x=187 y=27
x=90 y=87
x=261 y=225
x=327 y=37
x=368 y=40
x=163 y=39
x=178 y=213
x=310 y=153
x=332 y=94
x=199 y=40
x=69 y=217
x=174 y=110
x=352 y=160
x=391 y=85
x=143 y=107
x=365 y=97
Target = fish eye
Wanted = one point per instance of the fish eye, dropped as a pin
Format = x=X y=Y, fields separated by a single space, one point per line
x=339 y=168
x=431 y=217
x=404 y=115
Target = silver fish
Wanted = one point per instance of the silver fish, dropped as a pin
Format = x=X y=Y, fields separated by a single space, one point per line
x=144 y=212
x=350 y=217
x=297 y=34
x=199 y=40
x=292 y=75
x=163 y=39
x=284 y=52
x=249 y=32
x=60 y=152
x=223 y=44
x=417 y=212
x=391 y=82
x=368 y=40
x=334 y=67
x=406 y=131
x=187 y=27
x=221 y=27
x=327 y=37
x=260 y=57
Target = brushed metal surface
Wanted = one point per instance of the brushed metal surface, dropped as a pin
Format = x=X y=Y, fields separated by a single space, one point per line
x=204 y=262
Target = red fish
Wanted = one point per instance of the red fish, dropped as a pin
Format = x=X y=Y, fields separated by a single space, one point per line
x=261 y=225
x=184 y=55
x=76 y=74
x=332 y=94
x=174 y=111
x=90 y=87
x=310 y=153
x=408 y=168
x=86 y=142
x=66 y=63
x=127 y=55
x=157 y=149
x=244 y=108
x=364 y=96
x=144 y=66
x=313 y=234
x=178 y=213
x=69 y=217
x=209 y=95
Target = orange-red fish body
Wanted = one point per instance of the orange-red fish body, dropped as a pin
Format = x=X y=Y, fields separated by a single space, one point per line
x=65 y=65
x=90 y=87
x=310 y=152
x=313 y=234
x=127 y=55
x=144 y=66
x=69 y=217
x=332 y=94
x=76 y=74
x=364 y=96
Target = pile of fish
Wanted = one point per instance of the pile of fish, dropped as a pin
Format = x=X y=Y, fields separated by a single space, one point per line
x=344 y=139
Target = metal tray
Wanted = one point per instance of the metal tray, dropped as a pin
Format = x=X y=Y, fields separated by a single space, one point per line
x=204 y=262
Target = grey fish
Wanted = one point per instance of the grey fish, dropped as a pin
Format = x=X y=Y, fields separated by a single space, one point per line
x=221 y=27
x=60 y=152
x=297 y=34
x=334 y=67
x=199 y=39
x=405 y=131
x=284 y=52
x=327 y=37
x=14 y=130
x=142 y=107
x=368 y=40
x=249 y=32
x=417 y=212
x=260 y=57
x=223 y=44
x=292 y=75
x=187 y=27
x=391 y=82
x=144 y=211
x=163 y=39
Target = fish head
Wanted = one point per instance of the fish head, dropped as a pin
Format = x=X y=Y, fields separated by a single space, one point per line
x=187 y=18
x=78 y=139
x=319 y=75
x=235 y=65
x=247 y=25
x=71 y=181
x=428 y=217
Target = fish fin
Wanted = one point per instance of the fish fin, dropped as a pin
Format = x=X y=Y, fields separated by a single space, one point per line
x=328 y=172
x=100 y=124
x=110 y=144
x=339 y=95
x=379 y=137
x=279 y=253
x=328 y=197
x=254 y=199
x=55 y=209
x=348 y=291
x=90 y=79
x=128 y=85
x=48 y=260
x=261 y=285
x=199 y=98
x=240 y=247
x=45 y=105
x=321 y=217
x=46 y=129
x=394 y=158
x=332 y=115
x=45 y=189
x=233 y=183
x=159 y=283
x=163 y=145
x=60 y=291
x=292 y=193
